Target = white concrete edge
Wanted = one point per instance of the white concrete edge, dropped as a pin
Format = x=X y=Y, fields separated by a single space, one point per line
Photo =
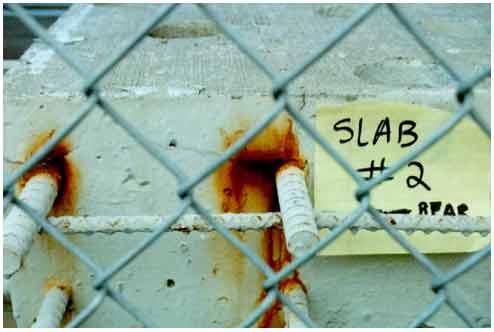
x=258 y=221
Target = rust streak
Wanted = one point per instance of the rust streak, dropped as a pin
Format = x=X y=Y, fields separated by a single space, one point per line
x=59 y=165
x=247 y=183
x=66 y=287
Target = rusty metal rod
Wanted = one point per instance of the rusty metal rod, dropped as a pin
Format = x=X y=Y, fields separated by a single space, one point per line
x=298 y=297
x=52 y=309
x=298 y=218
x=258 y=221
x=19 y=229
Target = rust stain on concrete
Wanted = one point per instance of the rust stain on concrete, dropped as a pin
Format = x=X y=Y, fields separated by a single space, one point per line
x=247 y=183
x=58 y=165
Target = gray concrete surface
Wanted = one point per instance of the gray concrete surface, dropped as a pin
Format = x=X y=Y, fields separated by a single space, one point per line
x=189 y=84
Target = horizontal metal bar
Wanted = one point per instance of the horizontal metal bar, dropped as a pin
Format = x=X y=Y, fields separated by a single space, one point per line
x=146 y=242
x=223 y=231
x=205 y=222
x=348 y=221
x=57 y=235
x=256 y=221
x=424 y=261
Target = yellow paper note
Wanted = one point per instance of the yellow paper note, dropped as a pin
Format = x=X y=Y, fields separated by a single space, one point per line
x=450 y=178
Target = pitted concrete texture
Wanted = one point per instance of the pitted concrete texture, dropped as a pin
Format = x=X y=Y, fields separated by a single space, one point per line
x=182 y=87
x=379 y=56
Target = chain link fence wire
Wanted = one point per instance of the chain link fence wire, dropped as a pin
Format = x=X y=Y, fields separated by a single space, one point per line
x=439 y=279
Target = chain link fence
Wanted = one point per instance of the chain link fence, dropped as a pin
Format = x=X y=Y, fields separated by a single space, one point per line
x=439 y=279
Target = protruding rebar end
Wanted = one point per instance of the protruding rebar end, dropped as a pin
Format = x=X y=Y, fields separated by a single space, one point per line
x=299 y=298
x=298 y=218
x=301 y=242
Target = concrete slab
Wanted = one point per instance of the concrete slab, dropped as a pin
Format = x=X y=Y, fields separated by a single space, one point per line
x=182 y=92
